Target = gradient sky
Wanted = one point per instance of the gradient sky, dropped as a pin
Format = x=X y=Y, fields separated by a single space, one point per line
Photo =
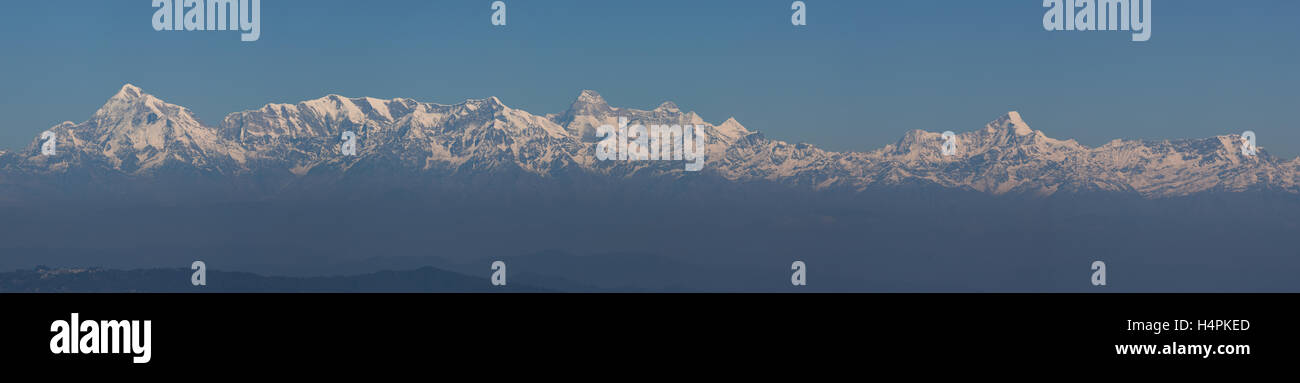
x=856 y=78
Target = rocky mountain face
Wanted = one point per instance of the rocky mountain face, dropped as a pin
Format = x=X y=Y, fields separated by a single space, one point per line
x=136 y=137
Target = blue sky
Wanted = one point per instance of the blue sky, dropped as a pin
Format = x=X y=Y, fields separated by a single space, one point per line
x=856 y=78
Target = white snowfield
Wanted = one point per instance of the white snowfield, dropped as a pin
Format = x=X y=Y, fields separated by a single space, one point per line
x=137 y=134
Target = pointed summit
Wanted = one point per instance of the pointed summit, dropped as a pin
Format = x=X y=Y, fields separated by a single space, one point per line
x=135 y=132
x=131 y=110
x=732 y=130
x=132 y=99
x=1010 y=122
x=495 y=102
x=668 y=106
x=129 y=91
x=589 y=103
x=129 y=94
x=590 y=97
x=489 y=102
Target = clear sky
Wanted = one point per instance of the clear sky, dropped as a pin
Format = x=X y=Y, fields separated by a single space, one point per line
x=856 y=78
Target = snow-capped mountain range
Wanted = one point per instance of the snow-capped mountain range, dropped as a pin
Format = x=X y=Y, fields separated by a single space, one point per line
x=137 y=135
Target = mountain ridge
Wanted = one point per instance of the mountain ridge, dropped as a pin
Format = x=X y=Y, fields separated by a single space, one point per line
x=137 y=135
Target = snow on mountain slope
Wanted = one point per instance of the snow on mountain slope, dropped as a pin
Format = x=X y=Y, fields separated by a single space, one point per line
x=478 y=134
x=1005 y=156
x=135 y=133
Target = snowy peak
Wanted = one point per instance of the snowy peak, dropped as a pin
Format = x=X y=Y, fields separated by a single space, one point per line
x=589 y=103
x=134 y=115
x=131 y=95
x=491 y=104
x=132 y=99
x=128 y=92
x=915 y=140
x=590 y=97
x=1008 y=133
x=1010 y=122
x=135 y=132
x=732 y=130
x=338 y=108
x=668 y=106
x=590 y=111
x=323 y=117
